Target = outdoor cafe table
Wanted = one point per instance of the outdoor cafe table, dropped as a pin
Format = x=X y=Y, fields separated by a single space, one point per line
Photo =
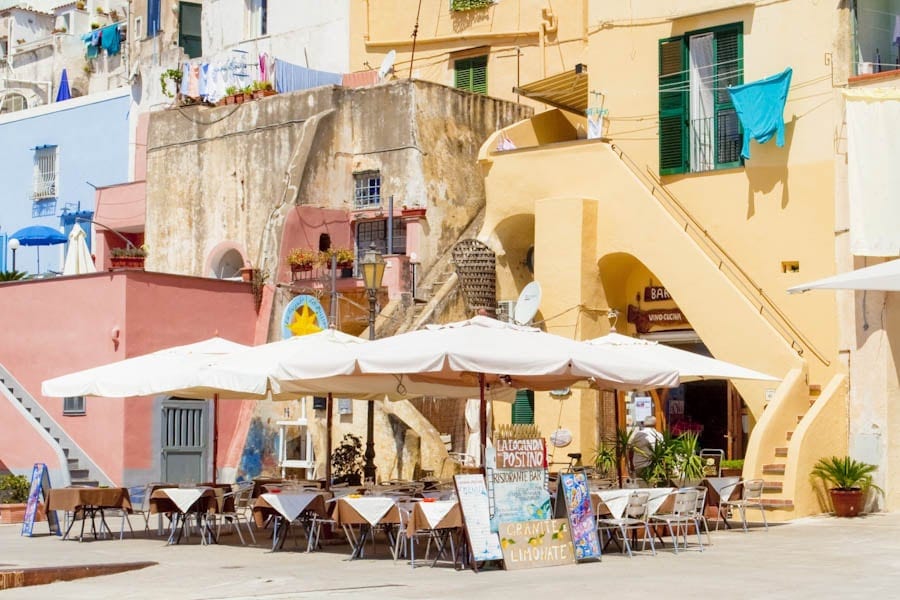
x=439 y=518
x=286 y=507
x=88 y=501
x=367 y=512
x=181 y=502
x=718 y=485
x=616 y=500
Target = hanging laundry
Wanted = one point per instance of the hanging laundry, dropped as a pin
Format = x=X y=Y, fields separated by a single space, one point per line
x=263 y=66
x=760 y=108
x=359 y=78
x=595 y=122
x=290 y=77
x=109 y=39
x=92 y=43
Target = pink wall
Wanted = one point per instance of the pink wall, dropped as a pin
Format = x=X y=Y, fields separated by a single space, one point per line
x=60 y=325
x=304 y=225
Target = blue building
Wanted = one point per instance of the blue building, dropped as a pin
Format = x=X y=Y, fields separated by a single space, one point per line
x=51 y=159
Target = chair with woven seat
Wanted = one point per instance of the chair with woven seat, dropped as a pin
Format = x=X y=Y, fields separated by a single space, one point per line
x=679 y=521
x=751 y=497
x=635 y=519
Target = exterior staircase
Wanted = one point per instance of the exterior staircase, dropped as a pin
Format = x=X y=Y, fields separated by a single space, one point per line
x=80 y=470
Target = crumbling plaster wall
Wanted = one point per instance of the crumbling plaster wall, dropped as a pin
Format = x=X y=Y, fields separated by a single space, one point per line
x=232 y=173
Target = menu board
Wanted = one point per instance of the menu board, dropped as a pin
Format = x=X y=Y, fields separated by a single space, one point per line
x=536 y=544
x=574 y=496
x=473 y=502
x=519 y=495
x=40 y=489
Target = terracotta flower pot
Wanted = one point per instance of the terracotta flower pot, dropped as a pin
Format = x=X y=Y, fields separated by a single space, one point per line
x=847 y=503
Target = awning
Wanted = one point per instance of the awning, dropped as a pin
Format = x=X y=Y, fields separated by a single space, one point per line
x=880 y=277
x=568 y=91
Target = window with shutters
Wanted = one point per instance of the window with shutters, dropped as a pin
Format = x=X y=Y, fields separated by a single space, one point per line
x=189 y=34
x=698 y=125
x=523 y=408
x=471 y=74
x=153 y=18
x=46 y=173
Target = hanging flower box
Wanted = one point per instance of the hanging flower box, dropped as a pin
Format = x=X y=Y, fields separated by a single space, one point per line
x=131 y=257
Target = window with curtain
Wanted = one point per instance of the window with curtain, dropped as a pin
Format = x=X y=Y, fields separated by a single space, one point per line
x=471 y=74
x=257 y=18
x=153 y=18
x=698 y=126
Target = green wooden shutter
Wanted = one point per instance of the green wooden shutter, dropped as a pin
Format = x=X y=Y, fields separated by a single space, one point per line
x=523 y=408
x=729 y=64
x=673 y=106
x=471 y=74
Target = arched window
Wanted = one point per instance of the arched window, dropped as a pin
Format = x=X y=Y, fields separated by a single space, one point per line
x=12 y=102
x=324 y=242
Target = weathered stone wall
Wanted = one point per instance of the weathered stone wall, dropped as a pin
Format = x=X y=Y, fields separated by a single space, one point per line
x=232 y=173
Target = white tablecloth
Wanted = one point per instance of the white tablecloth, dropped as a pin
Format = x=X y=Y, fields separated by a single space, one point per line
x=183 y=498
x=290 y=505
x=617 y=500
x=435 y=511
x=371 y=508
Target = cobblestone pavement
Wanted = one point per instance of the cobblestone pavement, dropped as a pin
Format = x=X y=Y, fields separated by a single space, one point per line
x=820 y=557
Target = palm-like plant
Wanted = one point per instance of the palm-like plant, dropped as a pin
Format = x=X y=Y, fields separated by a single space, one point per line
x=12 y=275
x=845 y=473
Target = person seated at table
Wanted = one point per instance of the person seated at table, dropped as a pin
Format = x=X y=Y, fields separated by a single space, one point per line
x=643 y=441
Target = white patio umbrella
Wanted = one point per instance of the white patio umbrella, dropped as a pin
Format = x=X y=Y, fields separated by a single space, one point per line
x=880 y=277
x=168 y=371
x=690 y=365
x=78 y=256
x=489 y=353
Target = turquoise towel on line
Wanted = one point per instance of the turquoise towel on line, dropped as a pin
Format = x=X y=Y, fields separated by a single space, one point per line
x=760 y=108
x=109 y=39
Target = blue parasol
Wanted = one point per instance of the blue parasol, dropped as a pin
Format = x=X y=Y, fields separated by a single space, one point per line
x=39 y=235
x=63 y=93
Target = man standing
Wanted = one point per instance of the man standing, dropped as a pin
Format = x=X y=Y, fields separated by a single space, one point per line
x=643 y=441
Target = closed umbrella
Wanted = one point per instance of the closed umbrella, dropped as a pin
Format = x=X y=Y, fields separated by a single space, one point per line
x=78 y=257
x=63 y=93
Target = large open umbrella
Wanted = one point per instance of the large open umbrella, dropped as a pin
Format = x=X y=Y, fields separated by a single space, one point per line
x=489 y=353
x=318 y=363
x=168 y=371
x=39 y=235
x=78 y=257
x=689 y=365
x=881 y=277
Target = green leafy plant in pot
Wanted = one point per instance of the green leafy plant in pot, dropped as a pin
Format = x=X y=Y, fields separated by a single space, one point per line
x=13 y=489
x=848 y=482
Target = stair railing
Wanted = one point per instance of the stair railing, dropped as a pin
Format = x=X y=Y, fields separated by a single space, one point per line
x=725 y=263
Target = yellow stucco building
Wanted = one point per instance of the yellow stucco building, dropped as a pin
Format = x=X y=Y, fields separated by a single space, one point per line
x=627 y=198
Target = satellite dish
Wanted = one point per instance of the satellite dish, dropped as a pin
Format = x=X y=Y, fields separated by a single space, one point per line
x=528 y=303
x=387 y=65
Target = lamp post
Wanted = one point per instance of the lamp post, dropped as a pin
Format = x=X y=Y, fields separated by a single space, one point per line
x=372 y=265
x=13 y=245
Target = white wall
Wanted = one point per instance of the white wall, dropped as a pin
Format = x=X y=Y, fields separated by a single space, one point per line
x=305 y=32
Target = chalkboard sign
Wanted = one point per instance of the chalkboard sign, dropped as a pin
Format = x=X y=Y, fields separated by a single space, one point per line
x=473 y=502
x=573 y=496
x=40 y=490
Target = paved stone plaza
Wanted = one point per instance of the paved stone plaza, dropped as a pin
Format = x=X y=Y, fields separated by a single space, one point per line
x=819 y=557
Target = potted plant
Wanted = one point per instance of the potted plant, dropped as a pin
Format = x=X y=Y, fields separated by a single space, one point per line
x=849 y=480
x=175 y=75
x=13 y=495
x=261 y=89
x=129 y=257
x=347 y=461
x=301 y=259
x=732 y=467
x=411 y=212
x=248 y=93
x=605 y=462
x=230 y=94
x=80 y=4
